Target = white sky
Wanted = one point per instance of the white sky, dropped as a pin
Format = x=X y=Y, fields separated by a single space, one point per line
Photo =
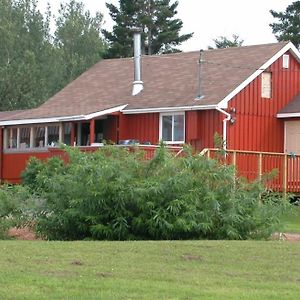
x=210 y=19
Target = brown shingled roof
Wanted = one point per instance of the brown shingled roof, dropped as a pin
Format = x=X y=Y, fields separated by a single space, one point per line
x=170 y=80
x=4 y=115
x=292 y=107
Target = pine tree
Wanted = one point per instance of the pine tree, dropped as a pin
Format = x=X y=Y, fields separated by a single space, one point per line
x=156 y=18
x=223 y=42
x=288 y=26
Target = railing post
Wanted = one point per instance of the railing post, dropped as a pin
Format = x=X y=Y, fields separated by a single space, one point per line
x=284 y=177
x=260 y=166
x=208 y=153
x=234 y=158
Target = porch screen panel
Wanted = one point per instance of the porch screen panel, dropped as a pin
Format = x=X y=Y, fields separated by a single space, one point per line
x=67 y=133
x=39 y=140
x=24 y=137
x=12 y=138
x=53 y=135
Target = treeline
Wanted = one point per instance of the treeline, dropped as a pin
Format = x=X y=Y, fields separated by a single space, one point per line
x=34 y=63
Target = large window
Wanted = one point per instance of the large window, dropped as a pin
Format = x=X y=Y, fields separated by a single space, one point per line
x=172 y=127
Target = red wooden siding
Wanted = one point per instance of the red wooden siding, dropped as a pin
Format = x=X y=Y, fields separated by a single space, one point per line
x=142 y=127
x=209 y=123
x=13 y=164
x=257 y=127
x=110 y=128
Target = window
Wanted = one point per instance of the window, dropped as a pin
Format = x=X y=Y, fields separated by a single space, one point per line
x=67 y=133
x=285 y=61
x=39 y=138
x=53 y=135
x=266 y=85
x=172 y=127
x=24 y=137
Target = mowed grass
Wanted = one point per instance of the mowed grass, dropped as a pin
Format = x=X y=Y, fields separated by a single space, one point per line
x=150 y=270
x=291 y=220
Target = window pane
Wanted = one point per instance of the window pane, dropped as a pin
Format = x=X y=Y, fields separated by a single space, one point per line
x=178 y=127
x=67 y=133
x=167 y=128
x=39 y=137
x=53 y=135
x=12 y=138
x=24 y=137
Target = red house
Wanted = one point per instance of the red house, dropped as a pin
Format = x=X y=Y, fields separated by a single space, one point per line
x=249 y=95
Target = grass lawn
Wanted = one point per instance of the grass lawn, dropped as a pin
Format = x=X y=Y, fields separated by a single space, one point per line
x=291 y=220
x=150 y=270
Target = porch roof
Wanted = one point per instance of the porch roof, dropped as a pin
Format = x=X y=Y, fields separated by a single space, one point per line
x=171 y=81
x=292 y=109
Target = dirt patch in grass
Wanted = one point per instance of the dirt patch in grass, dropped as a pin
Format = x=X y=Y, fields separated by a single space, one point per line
x=292 y=237
x=24 y=233
x=76 y=263
x=191 y=257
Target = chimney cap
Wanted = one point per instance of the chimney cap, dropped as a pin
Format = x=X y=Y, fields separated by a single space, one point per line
x=136 y=29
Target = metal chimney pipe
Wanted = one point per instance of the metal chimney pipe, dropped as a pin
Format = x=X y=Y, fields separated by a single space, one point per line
x=137 y=83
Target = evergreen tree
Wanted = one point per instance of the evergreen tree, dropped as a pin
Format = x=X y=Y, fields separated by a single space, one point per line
x=223 y=42
x=288 y=26
x=156 y=18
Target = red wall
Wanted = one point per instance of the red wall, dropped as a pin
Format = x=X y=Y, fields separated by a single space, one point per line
x=257 y=127
x=14 y=163
x=142 y=127
x=201 y=127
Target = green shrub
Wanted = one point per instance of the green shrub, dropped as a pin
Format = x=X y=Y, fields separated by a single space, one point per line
x=15 y=207
x=115 y=194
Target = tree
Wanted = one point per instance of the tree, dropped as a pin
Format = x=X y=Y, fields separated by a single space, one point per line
x=77 y=37
x=25 y=54
x=223 y=42
x=160 y=30
x=288 y=26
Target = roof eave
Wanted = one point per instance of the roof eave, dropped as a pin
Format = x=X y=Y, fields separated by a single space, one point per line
x=288 y=115
x=63 y=119
x=168 y=109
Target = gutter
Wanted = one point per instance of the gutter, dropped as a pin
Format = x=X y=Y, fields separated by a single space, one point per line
x=228 y=118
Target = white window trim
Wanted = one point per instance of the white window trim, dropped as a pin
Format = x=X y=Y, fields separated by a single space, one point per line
x=161 y=123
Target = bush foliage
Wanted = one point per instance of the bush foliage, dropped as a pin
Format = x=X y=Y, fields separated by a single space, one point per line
x=114 y=194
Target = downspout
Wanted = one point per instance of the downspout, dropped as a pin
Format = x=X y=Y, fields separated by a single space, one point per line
x=228 y=118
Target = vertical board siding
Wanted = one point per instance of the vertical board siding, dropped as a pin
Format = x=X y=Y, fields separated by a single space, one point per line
x=209 y=123
x=15 y=163
x=257 y=127
x=142 y=127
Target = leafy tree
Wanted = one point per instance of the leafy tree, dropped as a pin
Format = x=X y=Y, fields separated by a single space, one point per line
x=25 y=55
x=223 y=42
x=288 y=26
x=156 y=18
x=77 y=38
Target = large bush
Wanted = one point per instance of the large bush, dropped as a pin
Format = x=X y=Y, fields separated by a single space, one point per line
x=115 y=194
x=16 y=207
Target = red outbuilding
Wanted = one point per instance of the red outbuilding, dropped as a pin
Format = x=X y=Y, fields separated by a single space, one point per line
x=248 y=95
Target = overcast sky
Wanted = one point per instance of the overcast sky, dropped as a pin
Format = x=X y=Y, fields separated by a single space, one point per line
x=210 y=19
